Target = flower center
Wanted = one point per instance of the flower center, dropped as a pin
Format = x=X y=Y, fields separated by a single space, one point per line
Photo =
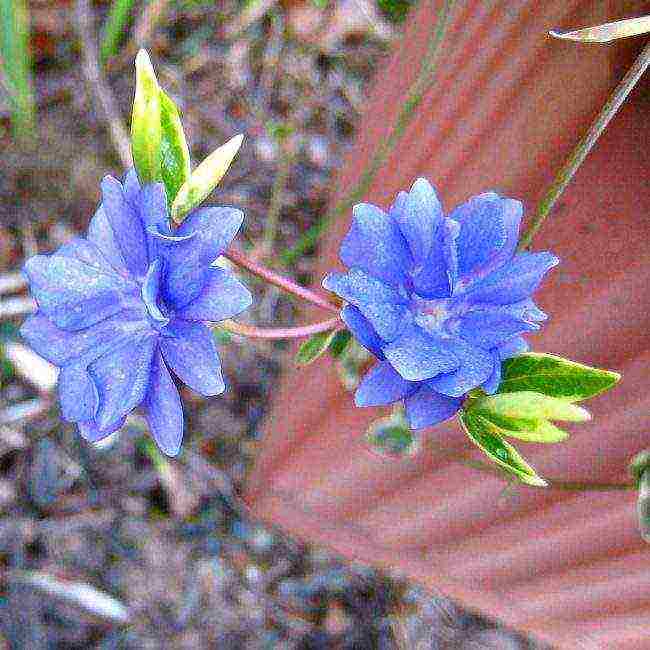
x=435 y=316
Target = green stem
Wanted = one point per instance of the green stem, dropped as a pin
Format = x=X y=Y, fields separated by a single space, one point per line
x=585 y=145
x=277 y=197
x=114 y=29
x=416 y=93
x=16 y=61
x=554 y=484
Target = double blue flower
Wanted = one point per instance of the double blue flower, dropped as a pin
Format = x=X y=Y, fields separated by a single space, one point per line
x=439 y=300
x=121 y=308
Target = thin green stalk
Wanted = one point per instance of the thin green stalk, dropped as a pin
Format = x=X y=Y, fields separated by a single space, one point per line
x=585 y=145
x=417 y=91
x=114 y=29
x=554 y=484
x=17 y=65
x=277 y=197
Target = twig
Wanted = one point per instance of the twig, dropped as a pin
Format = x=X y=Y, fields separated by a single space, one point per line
x=102 y=93
x=585 y=145
x=240 y=259
x=280 y=333
x=418 y=89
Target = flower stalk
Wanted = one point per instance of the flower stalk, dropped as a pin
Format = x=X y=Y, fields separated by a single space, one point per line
x=279 y=333
x=239 y=258
x=585 y=145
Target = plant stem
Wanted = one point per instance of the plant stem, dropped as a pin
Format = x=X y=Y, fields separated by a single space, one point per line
x=16 y=67
x=585 y=145
x=418 y=89
x=239 y=258
x=277 y=196
x=114 y=28
x=554 y=484
x=277 y=333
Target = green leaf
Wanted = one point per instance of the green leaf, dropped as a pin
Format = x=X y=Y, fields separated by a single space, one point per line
x=115 y=28
x=527 y=430
x=391 y=436
x=205 y=178
x=351 y=364
x=174 y=152
x=529 y=405
x=314 y=347
x=146 y=132
x=16 y=62
x=340 y=343
x=485 y=435
x=554 y=376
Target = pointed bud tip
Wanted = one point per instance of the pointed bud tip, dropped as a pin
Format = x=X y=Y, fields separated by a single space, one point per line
x=143 y=59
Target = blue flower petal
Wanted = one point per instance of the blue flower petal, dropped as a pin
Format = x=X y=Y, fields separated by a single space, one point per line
x=151 y=292
x=376 y=245
x=163 y=408
x=491 y=385
x=512 y=348
x=397 y=208
x=362 y=330
x=166 y=237
x=154 y=215
x=436 y=276
x=77 y=394
x=71 y=293
x=122 y=377
x=489 y=228
x=189 y=261
x=222 y=296
x=87 y=252
x=92 y=433
x=514 y=281
x=476 y=366
x=419 y=219
x=127 y=227
x=382 y=305
x=190 y=351
x=382 y=385
x=417 y=355
x=426 y=407
x=61 y=347
x=131 y=186
x=100 y=233
x=487 y=329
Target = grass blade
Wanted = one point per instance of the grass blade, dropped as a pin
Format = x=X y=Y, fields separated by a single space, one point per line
x=17 y=64
x=114 y=29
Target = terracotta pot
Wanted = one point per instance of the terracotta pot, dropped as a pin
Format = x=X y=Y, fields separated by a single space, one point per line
x=508 y=107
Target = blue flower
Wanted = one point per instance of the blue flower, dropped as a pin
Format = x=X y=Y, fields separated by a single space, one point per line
x=439 y=300
x=121 y=308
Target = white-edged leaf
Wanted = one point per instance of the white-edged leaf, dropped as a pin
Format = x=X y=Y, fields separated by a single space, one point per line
x=485 y=435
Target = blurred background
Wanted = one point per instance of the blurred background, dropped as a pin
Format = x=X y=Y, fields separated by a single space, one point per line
x=114 y=546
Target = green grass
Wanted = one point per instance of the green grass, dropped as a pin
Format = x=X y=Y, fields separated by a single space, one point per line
x=17 y=65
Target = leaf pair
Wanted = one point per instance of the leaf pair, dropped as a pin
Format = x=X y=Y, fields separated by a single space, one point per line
x=534 y=389
x=160 y=151
x=336 y=341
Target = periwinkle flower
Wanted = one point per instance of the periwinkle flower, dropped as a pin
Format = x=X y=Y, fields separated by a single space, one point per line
x=439 y=300
x=121 y=308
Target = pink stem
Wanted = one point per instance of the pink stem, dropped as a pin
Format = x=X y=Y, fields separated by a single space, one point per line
x=239 y=258
x=281 y=332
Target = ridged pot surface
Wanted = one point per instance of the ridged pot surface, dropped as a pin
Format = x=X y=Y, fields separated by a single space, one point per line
x=508 y=106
